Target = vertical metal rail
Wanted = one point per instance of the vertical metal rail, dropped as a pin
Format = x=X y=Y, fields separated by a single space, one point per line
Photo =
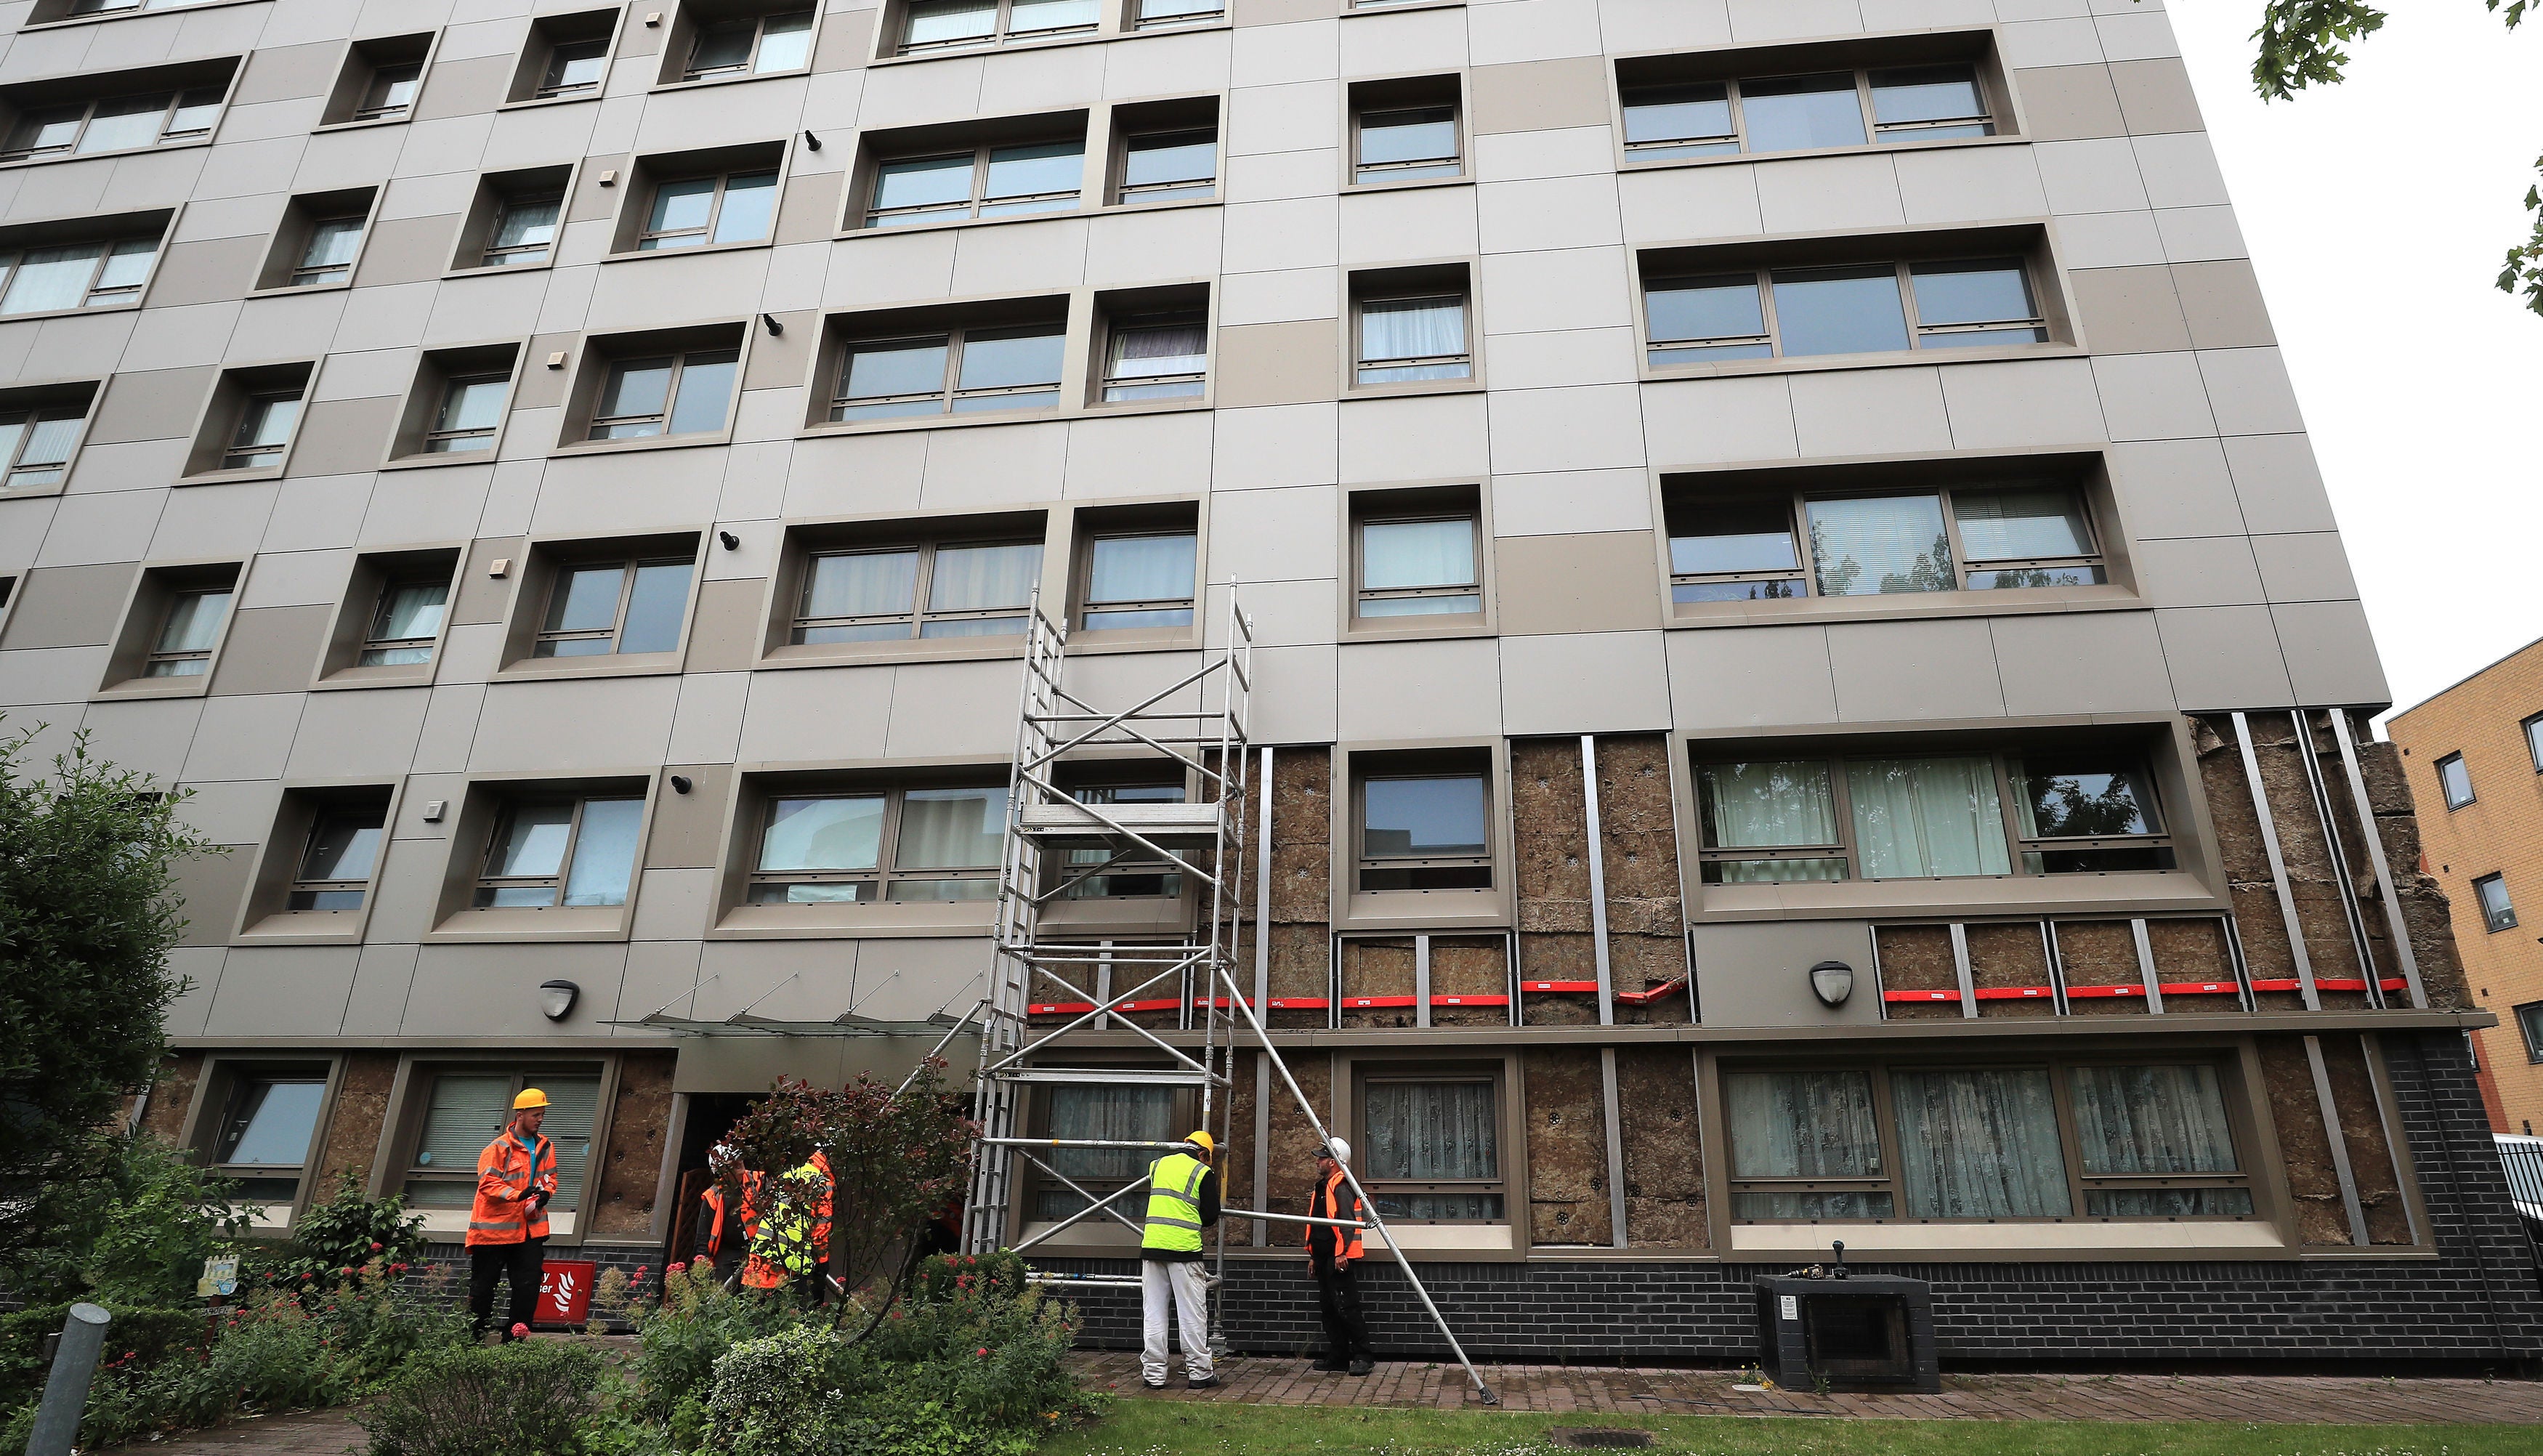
x=1598 y=853
x=2277 y=860
x=2319 y=784
x=2396 y=927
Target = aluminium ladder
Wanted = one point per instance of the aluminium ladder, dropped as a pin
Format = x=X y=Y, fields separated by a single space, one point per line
x=1057 y=841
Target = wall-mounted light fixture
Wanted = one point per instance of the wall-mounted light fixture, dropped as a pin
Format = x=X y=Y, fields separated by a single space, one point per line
x=1832 y=982
x=812 y=142
x=728 y=540
x=774 y=329
x=680 y=784
x=556 y=998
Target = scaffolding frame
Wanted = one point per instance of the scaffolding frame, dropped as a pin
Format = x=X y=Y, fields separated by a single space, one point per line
x=1198 y=723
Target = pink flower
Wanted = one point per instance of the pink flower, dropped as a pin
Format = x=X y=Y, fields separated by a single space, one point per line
x=377 y=1246
x=520 y=1331
x=677 y=1268
x=985 y=1349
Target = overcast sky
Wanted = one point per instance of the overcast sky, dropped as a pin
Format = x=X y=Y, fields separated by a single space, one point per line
x=2377 y=211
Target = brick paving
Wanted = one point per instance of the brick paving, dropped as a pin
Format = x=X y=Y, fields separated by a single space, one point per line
x=1574 y=1388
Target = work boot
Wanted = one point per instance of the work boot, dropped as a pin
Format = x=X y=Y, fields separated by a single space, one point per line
x=1332 y=1364
x=1201 y=1382
x=1363 y=1365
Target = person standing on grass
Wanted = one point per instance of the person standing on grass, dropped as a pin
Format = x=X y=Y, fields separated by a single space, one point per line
x=507 y=1224
x=1183 y=1200
x=1331 y=1254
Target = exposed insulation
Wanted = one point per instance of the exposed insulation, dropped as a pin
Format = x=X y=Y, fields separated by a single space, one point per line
x=172 y=1092
x=1469 y=965
x=1559 y=957
x=2239 y=847
x=2361 y=1126
x=1380 y=965
x=2010 y=956
x=1646 y=912
x=640 y=1121
x=1566 y=1146
x=1293 y=1141
x=1663 y=1149
x=354 y=1123
x=1302 y=814
x=2304 y=848
x=2286 y=1074
x=2192 y=950
x=1236 y=1155
x=1917 y=958
x=1550 y=831
x=2100 y=953
x=2424 y=900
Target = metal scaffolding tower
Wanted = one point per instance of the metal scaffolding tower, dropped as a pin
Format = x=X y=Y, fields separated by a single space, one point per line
x=1057 y=841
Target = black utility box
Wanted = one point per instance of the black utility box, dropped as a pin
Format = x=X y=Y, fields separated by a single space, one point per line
x=1867 y=1333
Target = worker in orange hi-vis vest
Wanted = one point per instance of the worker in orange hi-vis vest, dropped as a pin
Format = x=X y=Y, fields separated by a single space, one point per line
x=1331 y=1254
x=507 y=1224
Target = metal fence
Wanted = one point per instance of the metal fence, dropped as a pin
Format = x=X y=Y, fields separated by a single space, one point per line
x=2522 y=1158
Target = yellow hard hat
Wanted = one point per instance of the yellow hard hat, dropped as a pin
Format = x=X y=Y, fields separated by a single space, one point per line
x=531 y=1098
x=1204 y=1142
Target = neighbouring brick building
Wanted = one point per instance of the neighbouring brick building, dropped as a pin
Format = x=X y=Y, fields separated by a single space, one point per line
x=2473 y=755
x=1788 y=511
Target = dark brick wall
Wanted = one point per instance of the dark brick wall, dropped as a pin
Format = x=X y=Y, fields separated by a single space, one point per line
x=2475 y=1305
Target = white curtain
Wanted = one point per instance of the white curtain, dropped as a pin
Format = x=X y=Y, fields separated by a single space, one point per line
x=1164 y=349
x=1052 y=14
x=865 y=584
x=1141 y=569
x=952 y=828
x=1977 y=1144
x=1802 y=1124
x=1424 y=1131
x=844 y=832
x=1762 y=805
x=1109 y=1113
x=2001 y=525
x=971 y=578
x=2152 y=1120
x=1396 y=555
x=1917 y=818
x=49 y=278
x=1411 y=328
x=936 y=21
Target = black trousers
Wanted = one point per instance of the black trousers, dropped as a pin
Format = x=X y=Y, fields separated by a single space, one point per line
x=520 y=1262
x=1338 y=1302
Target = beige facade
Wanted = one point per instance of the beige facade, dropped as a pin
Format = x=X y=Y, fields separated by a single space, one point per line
x=2480 y=831
x=546 y=466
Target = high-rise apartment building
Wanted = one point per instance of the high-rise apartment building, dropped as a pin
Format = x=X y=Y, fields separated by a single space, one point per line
x=2473 y=756
x=1812 y=687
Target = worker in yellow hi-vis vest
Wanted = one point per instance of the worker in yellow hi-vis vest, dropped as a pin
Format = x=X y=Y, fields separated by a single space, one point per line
x=1183 y=1200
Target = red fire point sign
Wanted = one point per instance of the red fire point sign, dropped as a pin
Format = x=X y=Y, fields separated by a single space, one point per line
x=564 y=1292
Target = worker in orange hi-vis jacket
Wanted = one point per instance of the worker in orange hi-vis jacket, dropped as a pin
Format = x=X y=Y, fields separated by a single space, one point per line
x=507 y=1224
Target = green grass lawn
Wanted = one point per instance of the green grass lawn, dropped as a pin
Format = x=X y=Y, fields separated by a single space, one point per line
x=1137 y=1427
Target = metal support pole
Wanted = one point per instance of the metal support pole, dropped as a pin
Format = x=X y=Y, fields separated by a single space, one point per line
x=1597 y=880
x=2277 y=861
x=57 y=1418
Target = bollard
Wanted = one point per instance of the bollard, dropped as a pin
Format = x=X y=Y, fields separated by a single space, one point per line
x=58 y=1420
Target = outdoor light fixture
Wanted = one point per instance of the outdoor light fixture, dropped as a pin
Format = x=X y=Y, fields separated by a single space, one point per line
x=680 y=782
x=728 y=540
x=556 y=998
x=1832 y=982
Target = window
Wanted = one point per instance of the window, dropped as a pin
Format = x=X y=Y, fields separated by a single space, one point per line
x=117 y=7
x=1421 y=564
x=340 y=858
x=931 y=24
x=1430 y=1148
x=472 y=407
x=694 y=211
x=525 y=230
x=317 y=241
x=685 y=393
x=465 y=1111
x=1836 y=109
x=946 y=844
x=1170 y=165
x=2455 y=781
x=605 y=607
x=187 y=632
x=992 y=180
x=264 y=424
x=574 y=67
x=2497 y=914
x=1967 y=1143
x=1424 y=831
x=965 y=370
x=566 y=57
x=381 y=78
x=1404 y=144
x=968 y=589
x=2534 y=740
x=1139 y=580
x=1412 y=335
x=327 y=256
x=1856 y=308
x=1097 y=875
x=1987 y=535
x=267 y=1124
x=1938 y=817
x=35 y=443
x=98 y=273
x=391 y=92
x=753 y=45
x=2529 y=1021
x=1157 y=357
x=1154 y=14
x=548 y=852
x=1132 y=1114
x=119 y=123
x=406 y=622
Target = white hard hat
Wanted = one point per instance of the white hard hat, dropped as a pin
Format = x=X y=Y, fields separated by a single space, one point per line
x=1337 y=1150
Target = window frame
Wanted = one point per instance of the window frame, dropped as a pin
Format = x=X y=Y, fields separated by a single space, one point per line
x=89 y=108
x=1874 y=131
x=1378 y=512
x=1365 y=174
x=1116 y=321
x=154 y=653
x=505 y=203
x=2530 y=1024
x=748 y=69
x=926 y=544
x=1493 y=1074
x=679 y=353
x=1135 y=16
x=1001 y=33
x=2060 y=1068
x=1904 y=269
x=953 y=337
x=1126 y=194
x=873 y=216
x=43 y=404
x=2502 y=918
x=1798 y=498
x=1182 y=1112
x=705 y=233
x=256 y=405
x=375 y=619
x=489 y=434
x=1479 y=765
x=2446 y=790
x=1085 y=604
x=2532 y=728
x=630 y=565
x=300 y=275
x=95 y=294
x=2166 y=839
x=1362 y=363
x=222 y=1079
x=365 y=110
x=887 y=869
x=298 y=885
x=412 y=1107
x=483 y=882
x=553 y=63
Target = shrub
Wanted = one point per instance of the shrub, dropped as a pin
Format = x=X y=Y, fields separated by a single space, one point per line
x=525 y=1399
x=336 y=1240
x=147 y=1336
x=129 y=1224
x=697 y=1321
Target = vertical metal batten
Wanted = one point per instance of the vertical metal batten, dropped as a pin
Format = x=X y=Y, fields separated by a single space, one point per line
x=1598 y=878
x=1615 y=1148
x=2145 y=966
x=1263 y=998
x=2277 y=861
x=2320 y=785
x=2056 y=971
x=1421 y=980
x=1961 y=965
x=2372 y=1047
x=2338 y=1142
x=2394 y=924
